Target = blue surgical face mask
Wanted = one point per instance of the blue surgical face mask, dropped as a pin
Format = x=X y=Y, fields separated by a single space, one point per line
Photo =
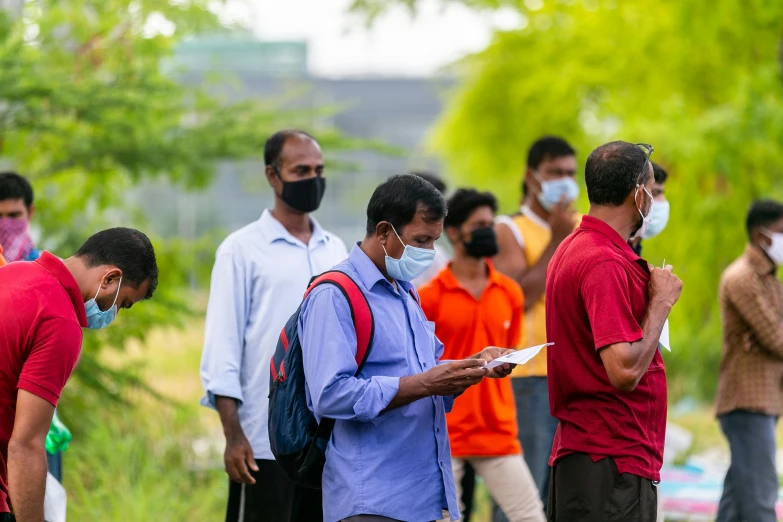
x=413 y=263
x=659 y=217
x=97 y=318
x=553 y=191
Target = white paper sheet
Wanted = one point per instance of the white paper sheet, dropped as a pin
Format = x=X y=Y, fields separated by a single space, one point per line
x=518 y=357
x=54 y=500
x=664 y=340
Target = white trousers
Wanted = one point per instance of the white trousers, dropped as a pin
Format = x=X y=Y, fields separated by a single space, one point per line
x=510 y=483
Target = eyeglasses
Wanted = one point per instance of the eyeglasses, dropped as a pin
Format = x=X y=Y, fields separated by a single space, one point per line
x=648 y=150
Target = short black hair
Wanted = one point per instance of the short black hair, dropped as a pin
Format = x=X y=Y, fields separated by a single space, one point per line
x=612 y=172
x=275 y=143
x=464 y=202
x=432 y=178
x=14 y=186
x=660 y=173
x=126 y=248
x=397 y=200
x=762 y=213
x=548 y=147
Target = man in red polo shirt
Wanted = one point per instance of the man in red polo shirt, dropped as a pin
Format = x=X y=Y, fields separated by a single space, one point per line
x=607 y=386
x=46 y=303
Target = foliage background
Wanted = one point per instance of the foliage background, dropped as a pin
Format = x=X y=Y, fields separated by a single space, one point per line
x=90 y=109
x=700 y=80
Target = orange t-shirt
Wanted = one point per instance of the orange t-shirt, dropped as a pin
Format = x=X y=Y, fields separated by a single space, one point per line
x=483 y=422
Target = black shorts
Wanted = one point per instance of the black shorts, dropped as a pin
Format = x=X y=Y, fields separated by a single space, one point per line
x=273 y=498
x=586 y=491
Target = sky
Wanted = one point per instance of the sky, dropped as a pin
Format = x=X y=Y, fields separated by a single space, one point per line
x=340 y=44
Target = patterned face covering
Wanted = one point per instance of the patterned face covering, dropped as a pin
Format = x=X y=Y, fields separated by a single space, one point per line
x=15 y=238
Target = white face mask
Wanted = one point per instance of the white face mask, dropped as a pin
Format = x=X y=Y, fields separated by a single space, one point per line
x=775 y=249
x=645 y=219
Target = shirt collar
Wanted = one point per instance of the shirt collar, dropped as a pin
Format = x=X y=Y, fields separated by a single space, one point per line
x=528 y=212
x=273 y=230
x=57 y=268
x=369 y=273
x=759 y=261
x=591 y=223
x=450 y=282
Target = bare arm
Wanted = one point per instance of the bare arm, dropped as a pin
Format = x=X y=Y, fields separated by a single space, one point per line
x=533 y=281
x=626 y=363
x=238 y=456
x=510 y=259
x=27 y=465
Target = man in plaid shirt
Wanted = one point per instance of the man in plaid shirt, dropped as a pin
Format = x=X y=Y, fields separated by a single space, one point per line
x=750 y=398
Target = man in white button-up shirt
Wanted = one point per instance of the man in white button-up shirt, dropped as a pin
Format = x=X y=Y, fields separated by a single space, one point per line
x=260 y=275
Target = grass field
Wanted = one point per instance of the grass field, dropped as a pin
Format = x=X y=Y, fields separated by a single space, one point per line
x=163 y=460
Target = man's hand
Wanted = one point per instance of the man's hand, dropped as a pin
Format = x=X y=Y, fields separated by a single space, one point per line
x=664 y=287
x=492 y=353
x=561 y=220
x=453 y=378
x=239 y=459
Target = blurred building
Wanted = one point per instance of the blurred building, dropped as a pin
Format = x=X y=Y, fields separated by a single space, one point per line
x=396 y=111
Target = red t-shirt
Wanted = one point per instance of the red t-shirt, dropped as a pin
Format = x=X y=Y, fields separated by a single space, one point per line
x=40 y=339
x=597 y=296
x=483 y=422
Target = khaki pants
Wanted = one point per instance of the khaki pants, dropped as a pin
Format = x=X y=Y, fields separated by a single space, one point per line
x=510 y=483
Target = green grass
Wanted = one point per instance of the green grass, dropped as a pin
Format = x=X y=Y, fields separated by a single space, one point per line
x=137 y=463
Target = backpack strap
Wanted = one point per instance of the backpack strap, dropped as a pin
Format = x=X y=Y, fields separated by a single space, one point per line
x=361 y=313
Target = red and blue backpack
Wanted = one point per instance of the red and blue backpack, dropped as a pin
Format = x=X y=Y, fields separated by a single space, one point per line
x=298 y=441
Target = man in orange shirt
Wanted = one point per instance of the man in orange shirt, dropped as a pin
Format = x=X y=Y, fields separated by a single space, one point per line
x=473 y=307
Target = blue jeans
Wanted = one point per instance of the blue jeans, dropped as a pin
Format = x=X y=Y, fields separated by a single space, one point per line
x=750 y=489
x=536 y=432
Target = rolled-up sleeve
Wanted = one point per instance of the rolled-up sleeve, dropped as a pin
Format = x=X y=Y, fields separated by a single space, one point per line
x=328 y=340
x=227 y=310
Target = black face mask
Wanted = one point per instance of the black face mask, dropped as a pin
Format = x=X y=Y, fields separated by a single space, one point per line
x=305 y=195
x=483 y=243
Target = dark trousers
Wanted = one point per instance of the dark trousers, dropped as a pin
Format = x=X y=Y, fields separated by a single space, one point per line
x=590 y=491
x=55 y=465
x=468 y=484
x=750 y=489
x=273 y=498
x=6 y=517
x=536 y=432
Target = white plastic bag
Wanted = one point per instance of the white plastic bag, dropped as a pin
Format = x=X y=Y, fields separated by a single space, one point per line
x=54 y=500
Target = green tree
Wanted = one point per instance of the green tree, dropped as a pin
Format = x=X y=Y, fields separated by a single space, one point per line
x=87 y=112
x=700 y=80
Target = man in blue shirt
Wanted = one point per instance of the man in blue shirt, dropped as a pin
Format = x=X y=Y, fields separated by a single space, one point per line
x=389 y=456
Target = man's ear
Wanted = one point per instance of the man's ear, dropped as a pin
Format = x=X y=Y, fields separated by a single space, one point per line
x=30 y=211
x=271 y=174
x=114 y=274
x=382 y=231
x=453 y=234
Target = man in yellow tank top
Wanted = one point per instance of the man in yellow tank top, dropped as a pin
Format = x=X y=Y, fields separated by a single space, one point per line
x=526 y=243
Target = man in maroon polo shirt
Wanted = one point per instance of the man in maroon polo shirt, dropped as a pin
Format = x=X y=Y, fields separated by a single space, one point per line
x=607 y=386
x=45 y=304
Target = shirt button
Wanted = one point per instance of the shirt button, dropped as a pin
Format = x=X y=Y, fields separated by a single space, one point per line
x=437 y=430
x=424 y=364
